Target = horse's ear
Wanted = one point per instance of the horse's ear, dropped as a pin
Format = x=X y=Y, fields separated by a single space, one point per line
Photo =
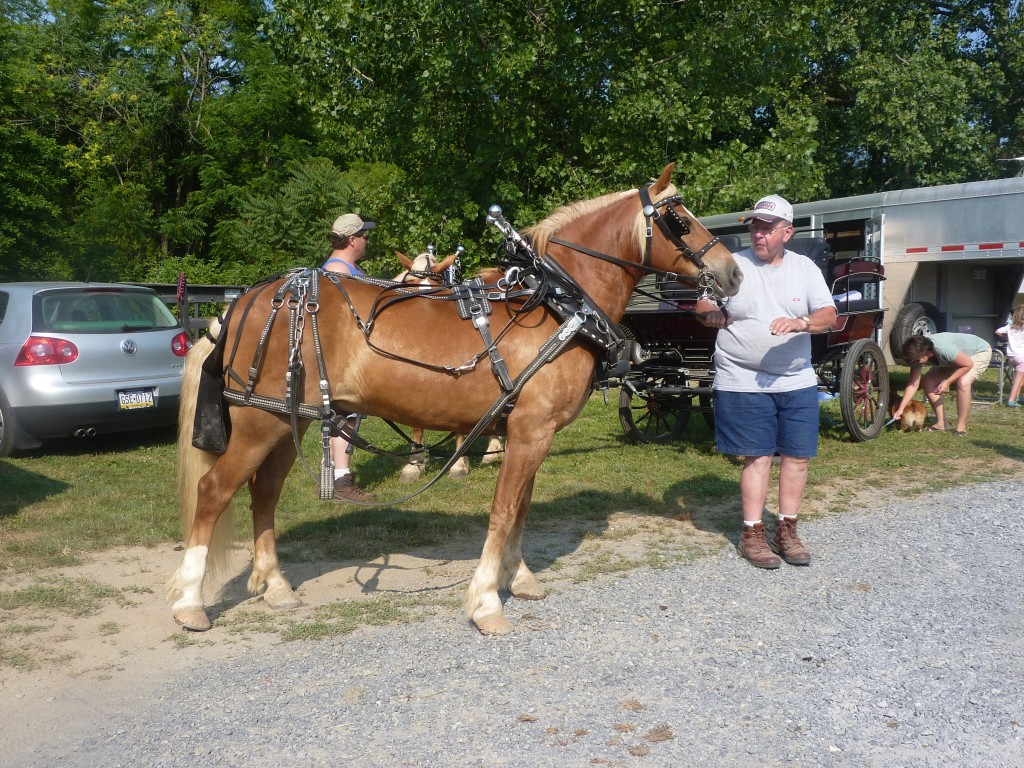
x=664 y=180
x=404 y=260
x=443 y=265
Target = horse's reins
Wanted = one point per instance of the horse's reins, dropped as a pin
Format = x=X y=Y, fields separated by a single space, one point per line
x=333 y=424
x=394 y=292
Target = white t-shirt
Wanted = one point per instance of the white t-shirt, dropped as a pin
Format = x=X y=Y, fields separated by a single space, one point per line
x=1014 y=340
x=747 y=357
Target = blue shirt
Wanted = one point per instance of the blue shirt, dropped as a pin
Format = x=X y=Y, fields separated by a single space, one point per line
x=353 y=269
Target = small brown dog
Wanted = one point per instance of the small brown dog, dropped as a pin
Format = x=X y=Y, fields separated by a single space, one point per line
x=912 y=419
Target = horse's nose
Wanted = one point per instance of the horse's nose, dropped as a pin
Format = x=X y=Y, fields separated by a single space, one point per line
x=737 y=276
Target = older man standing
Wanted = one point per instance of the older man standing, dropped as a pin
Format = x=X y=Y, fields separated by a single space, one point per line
x=765 y=389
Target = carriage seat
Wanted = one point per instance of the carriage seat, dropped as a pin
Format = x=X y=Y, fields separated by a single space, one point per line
x=814 y=248
x=856 y=285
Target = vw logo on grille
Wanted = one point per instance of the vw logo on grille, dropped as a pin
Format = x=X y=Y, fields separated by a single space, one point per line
x=128 y=347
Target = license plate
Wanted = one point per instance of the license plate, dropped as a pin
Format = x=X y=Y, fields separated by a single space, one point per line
x=134 y=399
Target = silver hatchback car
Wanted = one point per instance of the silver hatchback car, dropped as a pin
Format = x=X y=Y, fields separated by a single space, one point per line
x=82 y=359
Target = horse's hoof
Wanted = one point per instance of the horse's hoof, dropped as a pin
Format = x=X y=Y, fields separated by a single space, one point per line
x=529 y=592
x=495 y=624
x=193 y=619
x=457 y=473
x=282 y=600
x=409 y=476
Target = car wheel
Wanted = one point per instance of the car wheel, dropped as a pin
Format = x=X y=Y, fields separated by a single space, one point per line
x=8 y=430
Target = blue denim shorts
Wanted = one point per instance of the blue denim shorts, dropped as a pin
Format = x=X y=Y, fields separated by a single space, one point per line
x=766 y=423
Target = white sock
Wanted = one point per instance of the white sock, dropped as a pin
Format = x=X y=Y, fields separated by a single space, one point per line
x=751 y=523
x=339 y=473
x=787 y=517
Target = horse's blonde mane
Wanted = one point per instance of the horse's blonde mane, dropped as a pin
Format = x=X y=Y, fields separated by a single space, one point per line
x=560 y=217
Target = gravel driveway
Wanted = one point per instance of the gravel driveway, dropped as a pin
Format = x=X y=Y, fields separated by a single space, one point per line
x=901 y=645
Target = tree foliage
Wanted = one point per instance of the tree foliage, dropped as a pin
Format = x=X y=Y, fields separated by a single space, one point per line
x=139 y=138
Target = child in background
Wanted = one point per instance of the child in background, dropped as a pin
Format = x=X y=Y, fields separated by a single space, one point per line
x=1014 y=333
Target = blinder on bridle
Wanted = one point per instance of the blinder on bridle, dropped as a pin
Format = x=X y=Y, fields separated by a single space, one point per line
x=675 y=227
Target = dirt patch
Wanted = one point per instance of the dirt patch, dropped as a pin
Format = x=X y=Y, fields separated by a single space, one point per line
x=57 y=666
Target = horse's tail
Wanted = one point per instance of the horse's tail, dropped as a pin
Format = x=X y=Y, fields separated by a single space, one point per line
x=193 y=462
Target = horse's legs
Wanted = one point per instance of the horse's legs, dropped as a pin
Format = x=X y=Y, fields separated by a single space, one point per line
x=523 y=457
x=514 y=571
x=215 y=490
x=412 y=471
x=265 y=491
x=494 y=451
x=460 y=468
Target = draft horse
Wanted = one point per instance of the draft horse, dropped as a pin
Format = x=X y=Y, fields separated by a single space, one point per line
x=600 y=247
x=426 y=270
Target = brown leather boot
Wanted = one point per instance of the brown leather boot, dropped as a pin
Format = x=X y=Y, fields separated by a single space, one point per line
x=754 y=548
x=345 y=489
x=787 y=544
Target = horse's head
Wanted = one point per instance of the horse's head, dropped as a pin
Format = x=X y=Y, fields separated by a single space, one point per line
x=675 y=241
x=423 y=266
x=650 y=228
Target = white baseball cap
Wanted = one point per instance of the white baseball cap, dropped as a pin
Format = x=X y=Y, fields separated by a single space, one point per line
x=772 y=208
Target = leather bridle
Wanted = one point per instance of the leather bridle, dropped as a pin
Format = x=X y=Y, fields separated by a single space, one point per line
x=673 y=227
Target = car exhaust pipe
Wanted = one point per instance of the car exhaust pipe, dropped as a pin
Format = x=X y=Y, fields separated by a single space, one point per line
x=85 y=432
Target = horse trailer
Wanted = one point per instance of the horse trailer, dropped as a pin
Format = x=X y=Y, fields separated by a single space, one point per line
x=953 y=256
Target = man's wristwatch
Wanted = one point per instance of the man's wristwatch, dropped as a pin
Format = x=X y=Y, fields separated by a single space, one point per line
x=807 y=320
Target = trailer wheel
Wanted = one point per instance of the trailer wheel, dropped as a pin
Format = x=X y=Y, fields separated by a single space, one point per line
x=914 y=319
x=864 y=390
x=648 y=419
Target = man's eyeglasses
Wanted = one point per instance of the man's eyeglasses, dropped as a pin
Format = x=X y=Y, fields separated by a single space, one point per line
x=765 y=228
x=362 y=235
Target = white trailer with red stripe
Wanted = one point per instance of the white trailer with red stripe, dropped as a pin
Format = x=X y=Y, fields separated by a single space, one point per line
x=953 y=255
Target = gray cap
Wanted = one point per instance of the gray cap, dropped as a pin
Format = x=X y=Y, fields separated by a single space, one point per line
x=349 y=224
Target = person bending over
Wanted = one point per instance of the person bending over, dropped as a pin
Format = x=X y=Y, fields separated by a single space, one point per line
x=956 y=359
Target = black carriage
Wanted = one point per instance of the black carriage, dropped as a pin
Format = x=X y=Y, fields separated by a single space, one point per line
x=672 y=366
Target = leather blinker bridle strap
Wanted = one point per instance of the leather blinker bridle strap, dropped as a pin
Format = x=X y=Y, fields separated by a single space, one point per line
x=673 y=227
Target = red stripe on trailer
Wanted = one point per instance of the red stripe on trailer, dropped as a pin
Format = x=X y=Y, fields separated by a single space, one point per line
x=957 y=248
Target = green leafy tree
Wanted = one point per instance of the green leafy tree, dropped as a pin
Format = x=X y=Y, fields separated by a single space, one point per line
x=31 y=173
x=139 y=138
x=534 y=105
x=175 y=110
x=899 y=98
x=287 y=227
